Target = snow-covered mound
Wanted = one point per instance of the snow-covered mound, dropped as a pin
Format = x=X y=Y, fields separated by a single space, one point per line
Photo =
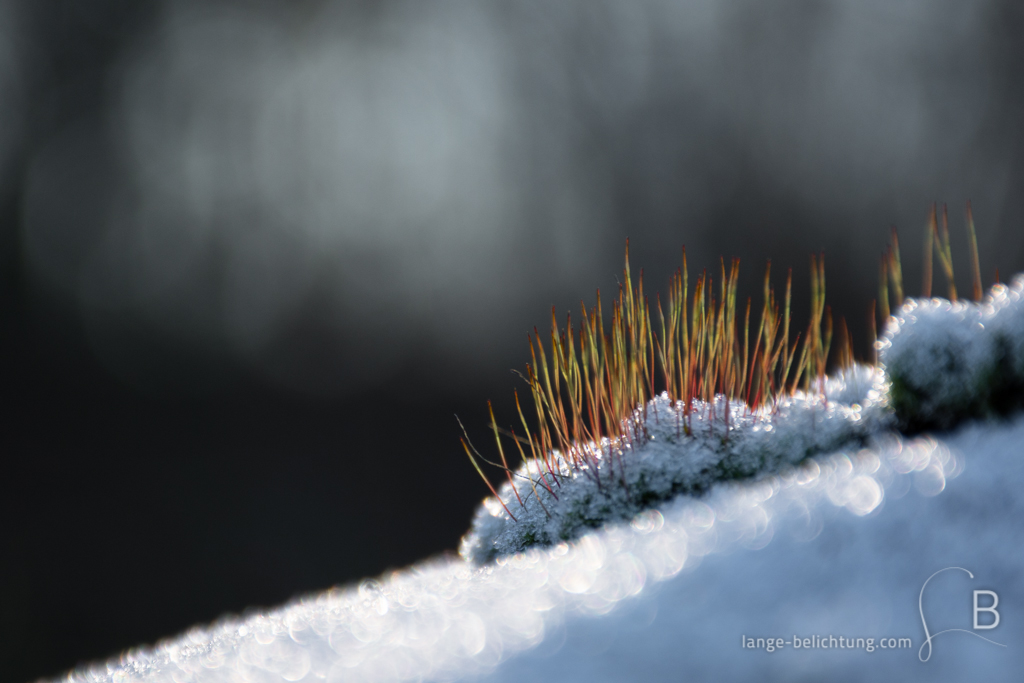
x=668 y=462
x=949 y=361
x=837 y=547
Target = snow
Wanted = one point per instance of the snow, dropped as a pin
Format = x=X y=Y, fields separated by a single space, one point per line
x=838 y=544
x=831 y=565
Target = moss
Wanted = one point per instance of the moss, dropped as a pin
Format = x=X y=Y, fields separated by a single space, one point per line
x=995 y=390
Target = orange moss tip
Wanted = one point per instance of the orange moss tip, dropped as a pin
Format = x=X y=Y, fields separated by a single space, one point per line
x=588 y=383
x=972 y=242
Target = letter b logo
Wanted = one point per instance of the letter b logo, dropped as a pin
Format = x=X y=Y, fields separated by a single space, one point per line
x=929 y=637
x=991 y=608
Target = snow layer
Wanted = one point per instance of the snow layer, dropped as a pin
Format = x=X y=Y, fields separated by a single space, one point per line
x=839 y=546
x=947 y=361
x=668 y=462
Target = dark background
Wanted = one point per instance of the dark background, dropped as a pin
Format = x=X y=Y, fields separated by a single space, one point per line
x=254 y=256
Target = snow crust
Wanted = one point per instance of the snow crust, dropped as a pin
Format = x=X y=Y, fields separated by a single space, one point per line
x=947 y=361
x=840 y=545
x=668 y=462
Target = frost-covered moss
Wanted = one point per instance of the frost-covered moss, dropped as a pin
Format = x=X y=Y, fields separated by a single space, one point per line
x=669 y=462
x=947 y=362
x=940 y=363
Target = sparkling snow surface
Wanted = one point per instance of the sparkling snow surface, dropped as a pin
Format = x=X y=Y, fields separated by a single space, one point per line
x=839 y=546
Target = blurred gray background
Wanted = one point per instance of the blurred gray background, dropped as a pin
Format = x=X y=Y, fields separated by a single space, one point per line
x=254 y=255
